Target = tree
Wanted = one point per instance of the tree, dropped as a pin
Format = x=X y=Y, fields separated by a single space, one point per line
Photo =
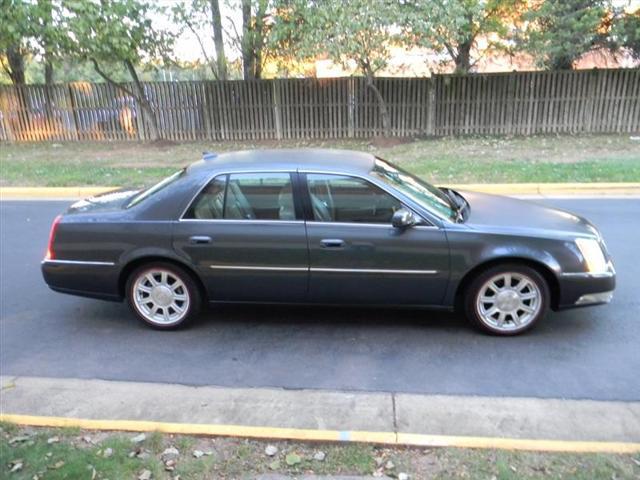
x=14 y=38
x=453 y=27
x=119 y=31
x=558 y=32
x=32 y=28
x=252 y=41
x=355 y=31
x=197 y=14
x=625 y=33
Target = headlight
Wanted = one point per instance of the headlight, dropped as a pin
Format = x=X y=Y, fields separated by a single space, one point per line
x=593 y=255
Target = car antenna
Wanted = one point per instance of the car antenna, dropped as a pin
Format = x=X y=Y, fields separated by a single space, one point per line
x=209 y=155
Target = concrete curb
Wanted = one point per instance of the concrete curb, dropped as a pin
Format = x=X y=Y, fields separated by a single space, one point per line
x=329 y=416
x=540 y=189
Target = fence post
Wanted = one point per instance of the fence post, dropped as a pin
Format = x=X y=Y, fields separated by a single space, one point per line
x=5 y=125
x=510 y=98
x=431 y=111
x=277 y=114
x=74 y=113
x=351 y=103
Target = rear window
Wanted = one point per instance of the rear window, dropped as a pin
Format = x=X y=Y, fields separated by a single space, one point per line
x=245 y=196
x=155 y=189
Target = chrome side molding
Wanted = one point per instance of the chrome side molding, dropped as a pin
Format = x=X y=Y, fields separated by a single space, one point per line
x=79 y=262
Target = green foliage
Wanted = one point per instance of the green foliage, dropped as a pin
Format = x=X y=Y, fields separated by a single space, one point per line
x=31 y=28
x=558 y=32
x=452 y=27
x=117 y=31
x=625 y=33
x=358 y=30
x=14 y=23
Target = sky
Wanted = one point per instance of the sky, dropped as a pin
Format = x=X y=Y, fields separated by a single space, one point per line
x=188 y=49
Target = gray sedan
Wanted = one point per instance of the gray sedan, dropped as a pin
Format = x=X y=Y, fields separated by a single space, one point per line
x=325 y=227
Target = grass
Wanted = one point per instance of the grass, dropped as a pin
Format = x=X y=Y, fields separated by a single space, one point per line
x=226 y=458
x=588 y=158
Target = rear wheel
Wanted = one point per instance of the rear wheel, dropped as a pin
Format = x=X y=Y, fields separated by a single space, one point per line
x=507 y=299
x=163 y=295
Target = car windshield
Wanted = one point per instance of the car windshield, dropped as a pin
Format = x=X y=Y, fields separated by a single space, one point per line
x=420 y=191
x=156 y=188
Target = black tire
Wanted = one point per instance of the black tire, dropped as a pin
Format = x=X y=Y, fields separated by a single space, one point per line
x=190 y=288
x=471 y=299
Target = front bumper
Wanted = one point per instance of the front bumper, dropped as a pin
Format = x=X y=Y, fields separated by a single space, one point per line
x=584 y=289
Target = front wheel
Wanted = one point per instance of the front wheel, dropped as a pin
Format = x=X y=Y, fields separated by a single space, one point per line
x=507 y=299
x=163 y=295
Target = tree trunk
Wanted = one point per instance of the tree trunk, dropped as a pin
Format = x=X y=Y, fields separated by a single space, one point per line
x=382 y=105
x=47 y=18
x=150 y=114
x=48 y=73
x=561 y=63
x=257 y=37
x=15 y=59
x=216 y=22
x=140 y=97
x=463 y=58
x=247 y=42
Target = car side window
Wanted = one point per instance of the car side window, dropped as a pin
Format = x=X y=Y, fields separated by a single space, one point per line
x=209 y=203
x=246 y=196
x=341 y=198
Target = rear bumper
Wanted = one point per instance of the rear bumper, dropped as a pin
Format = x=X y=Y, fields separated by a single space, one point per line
x=585 y=289
x=86 y=279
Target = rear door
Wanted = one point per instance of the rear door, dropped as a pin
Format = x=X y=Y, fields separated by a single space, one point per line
x=245 y=235
x=357 y=256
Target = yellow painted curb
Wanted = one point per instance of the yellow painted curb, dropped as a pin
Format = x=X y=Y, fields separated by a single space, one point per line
x=609 y=188
x=574 y=446
x=26 y=193
x=389 y=438
x=618 y=188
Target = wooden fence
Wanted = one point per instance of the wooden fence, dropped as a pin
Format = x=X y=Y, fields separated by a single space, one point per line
x=589 y=101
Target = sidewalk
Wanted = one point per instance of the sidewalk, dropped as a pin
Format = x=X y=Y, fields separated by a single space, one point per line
x=518 y=189
x=386 y=418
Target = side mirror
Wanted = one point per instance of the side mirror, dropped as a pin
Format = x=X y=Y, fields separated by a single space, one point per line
x=403 y=218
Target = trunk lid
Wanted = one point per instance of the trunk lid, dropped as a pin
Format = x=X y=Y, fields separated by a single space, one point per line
x=105 y=202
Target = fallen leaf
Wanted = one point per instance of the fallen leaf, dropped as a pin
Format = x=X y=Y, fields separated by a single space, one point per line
x=57 y=465
x=18 y=439
x=292 y=459
x=145 y=475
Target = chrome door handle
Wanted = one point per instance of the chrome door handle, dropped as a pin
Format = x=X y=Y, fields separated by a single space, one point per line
x=332 y=243
x=199 y=240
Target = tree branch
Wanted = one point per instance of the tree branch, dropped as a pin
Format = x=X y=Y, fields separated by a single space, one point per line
x=111 y=81
x=202 y=49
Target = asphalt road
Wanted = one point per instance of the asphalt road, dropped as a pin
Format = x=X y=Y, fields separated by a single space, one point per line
x=586 y=353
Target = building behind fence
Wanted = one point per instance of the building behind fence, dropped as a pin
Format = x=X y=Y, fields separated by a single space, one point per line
x=521 y=103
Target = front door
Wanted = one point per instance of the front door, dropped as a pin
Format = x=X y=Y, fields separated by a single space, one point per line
x=244 y=236
x=356 y=256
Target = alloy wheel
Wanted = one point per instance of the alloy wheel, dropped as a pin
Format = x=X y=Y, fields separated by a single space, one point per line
x=161 y=297
x=508 y=301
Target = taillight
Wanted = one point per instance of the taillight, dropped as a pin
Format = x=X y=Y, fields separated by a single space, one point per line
x=50 y=255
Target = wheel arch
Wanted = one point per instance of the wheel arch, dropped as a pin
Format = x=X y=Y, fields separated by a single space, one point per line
x=139 y=261
x=543 y=269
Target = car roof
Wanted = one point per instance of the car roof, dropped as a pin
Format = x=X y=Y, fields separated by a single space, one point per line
x=347 y=161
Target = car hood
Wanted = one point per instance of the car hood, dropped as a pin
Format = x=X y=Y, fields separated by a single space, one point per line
x=105 y=202
x=511 y=215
